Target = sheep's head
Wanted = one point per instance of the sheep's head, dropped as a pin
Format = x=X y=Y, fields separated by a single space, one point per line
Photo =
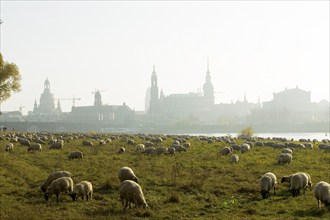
x=43 y=188
x=74 y=196
x=46 y=195
x=135 y=179
x=264 y=194
x=285 y=179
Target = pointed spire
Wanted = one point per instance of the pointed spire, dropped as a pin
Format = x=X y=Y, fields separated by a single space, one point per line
x=208 y=69
x=245 y=97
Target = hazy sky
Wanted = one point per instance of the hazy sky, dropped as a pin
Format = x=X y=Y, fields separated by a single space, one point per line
x=254 y=47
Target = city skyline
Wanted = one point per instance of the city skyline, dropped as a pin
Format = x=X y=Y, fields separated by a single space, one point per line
x=254 y=48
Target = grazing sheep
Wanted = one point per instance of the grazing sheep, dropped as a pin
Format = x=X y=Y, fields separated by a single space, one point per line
x=298 y=181
x=62 y=184
x=35 y=147
x=148 y=144
x=102 y=142
x=267 y=182
x=140 y=147
x=284 y=158
x=287 y=179
x=226 y=150
x=171 y=151
x=88 y=143
x=287 y=150
x=234 y=158
x=84 y=188
x=9 y=147
x=56 y=145
x=121 y=150
x=130 y=142
x=186 y=145
x=322 y=194
x=245 y=148
x=75 y=155
x=150 y=150
x=126 y=173
x=179 y=148
x=54 y=176
x=24 y=142
x=131 y=192
x=161 y=150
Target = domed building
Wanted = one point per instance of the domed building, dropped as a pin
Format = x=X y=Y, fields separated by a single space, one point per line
x=46 y=110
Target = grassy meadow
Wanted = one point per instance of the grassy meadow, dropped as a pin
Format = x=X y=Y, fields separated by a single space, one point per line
x=197 y=184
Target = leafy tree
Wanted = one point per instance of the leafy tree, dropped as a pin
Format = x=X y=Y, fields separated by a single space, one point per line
x=10 y=79
x=246 y=133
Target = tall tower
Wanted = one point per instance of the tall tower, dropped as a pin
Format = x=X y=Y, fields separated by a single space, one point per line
x=47 y=101
x=208 y=88
x=154 y=102
x=97 y=99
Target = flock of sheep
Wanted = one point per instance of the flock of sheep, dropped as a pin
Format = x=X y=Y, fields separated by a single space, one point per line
x=131 y=192
x=61 y=182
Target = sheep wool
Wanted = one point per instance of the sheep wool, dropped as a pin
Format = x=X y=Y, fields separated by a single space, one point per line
x=322 y=194
x=53 y=177
x=126 y=173
x=131 y=192
x=62 y=184
x=267 y=182
x=82 y=189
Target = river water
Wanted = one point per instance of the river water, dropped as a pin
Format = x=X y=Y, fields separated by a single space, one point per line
x=295 y=136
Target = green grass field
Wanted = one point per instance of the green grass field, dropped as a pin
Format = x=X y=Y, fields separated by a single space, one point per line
x=197 y=184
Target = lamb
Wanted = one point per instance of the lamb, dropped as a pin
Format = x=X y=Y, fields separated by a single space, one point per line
x=267 y=181
x=75 y=155
x=298 y=181
x=9 y=147
x=322 y=194
x=126 y=173
x=62 y=184
x=83 y=189
x=234 y=158
x=35 y=147
x=54 y=176
x=131 y=192
x=284 y=158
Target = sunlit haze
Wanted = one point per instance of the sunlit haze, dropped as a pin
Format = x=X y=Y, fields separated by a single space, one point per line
x=254 y=48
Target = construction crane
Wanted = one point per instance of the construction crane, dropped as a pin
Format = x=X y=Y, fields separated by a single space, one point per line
x=96 y=90
x=72 y=99
x=21 y=108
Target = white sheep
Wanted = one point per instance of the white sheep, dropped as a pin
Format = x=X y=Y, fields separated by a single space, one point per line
x=267 y=182
x=54 y=176
x=140 y=147
x=131 y=192
x=245 y=148
x=126 y=173
x=234 y=158
x=287 y=150
x=298 y=181
x=76 y=155
x=35 y=147
x=226 y=150
x=284 y=158
x=82 y=189
x=9 y=147
x=121 y=150
x=287 y=179
x=171 y=151
x=322 y=194
x=62 y=184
